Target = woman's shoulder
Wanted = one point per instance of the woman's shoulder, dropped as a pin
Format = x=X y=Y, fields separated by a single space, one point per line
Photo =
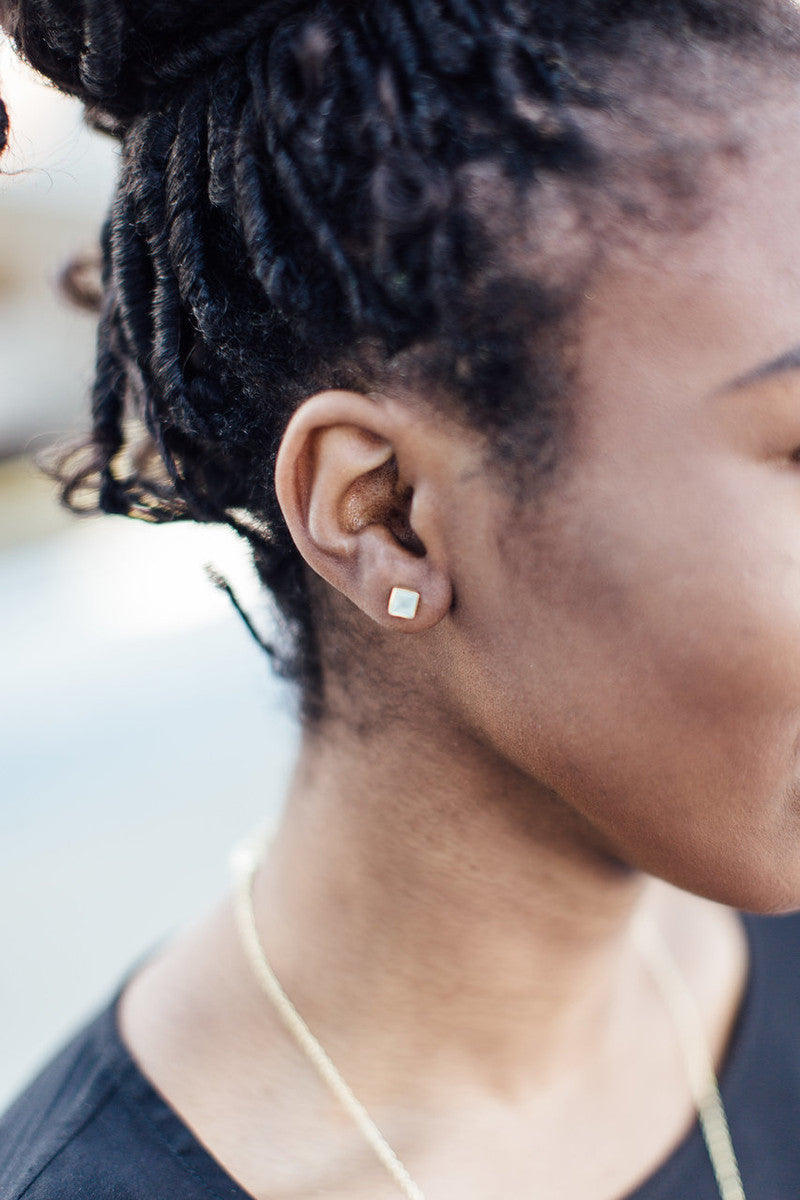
x=46 y=1130
x=91 y=1124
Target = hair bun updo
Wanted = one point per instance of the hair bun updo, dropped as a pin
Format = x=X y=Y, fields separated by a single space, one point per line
x=120 y=56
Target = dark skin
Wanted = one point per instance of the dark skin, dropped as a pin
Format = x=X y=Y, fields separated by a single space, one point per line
x=607 y=721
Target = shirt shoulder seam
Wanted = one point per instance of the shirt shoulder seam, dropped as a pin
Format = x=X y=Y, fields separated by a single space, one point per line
x=70 y=1137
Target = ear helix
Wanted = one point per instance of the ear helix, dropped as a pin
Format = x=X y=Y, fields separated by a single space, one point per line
x=403 y=602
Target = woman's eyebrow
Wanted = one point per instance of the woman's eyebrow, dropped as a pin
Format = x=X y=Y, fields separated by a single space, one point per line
x=788 y=361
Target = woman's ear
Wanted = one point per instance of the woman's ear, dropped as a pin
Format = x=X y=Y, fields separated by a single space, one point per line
x=347 y=490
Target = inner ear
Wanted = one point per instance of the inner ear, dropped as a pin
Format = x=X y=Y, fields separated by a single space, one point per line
x=377 y=497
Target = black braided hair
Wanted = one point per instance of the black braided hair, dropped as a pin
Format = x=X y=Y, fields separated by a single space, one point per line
x=293 y=211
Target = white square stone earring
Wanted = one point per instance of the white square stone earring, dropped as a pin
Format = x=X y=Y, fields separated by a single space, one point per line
x=403 y=602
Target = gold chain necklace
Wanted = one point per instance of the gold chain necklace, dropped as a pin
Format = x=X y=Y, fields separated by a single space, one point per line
x=657 y=957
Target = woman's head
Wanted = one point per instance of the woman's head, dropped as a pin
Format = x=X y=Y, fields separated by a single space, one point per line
x=327 y=195
x=443 y=295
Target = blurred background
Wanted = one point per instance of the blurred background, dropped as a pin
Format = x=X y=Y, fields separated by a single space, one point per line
x=141 y=732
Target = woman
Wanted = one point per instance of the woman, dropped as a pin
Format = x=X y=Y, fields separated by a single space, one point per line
x=479 y=320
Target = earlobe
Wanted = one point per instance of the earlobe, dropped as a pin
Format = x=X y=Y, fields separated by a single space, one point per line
x=350 y=510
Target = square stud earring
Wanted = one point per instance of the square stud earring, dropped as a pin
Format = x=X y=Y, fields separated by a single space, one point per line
x=403 y=602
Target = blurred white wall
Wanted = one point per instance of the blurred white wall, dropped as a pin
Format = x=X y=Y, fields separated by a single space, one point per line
x=55 y=182
x=140 y=731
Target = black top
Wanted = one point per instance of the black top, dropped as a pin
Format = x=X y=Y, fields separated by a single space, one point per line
x=91 y=1126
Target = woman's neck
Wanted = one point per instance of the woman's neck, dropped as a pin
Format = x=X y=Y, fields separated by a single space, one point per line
x=460 y=946
x=447 y=923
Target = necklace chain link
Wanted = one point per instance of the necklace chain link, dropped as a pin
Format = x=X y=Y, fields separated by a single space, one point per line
x=656 y=956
